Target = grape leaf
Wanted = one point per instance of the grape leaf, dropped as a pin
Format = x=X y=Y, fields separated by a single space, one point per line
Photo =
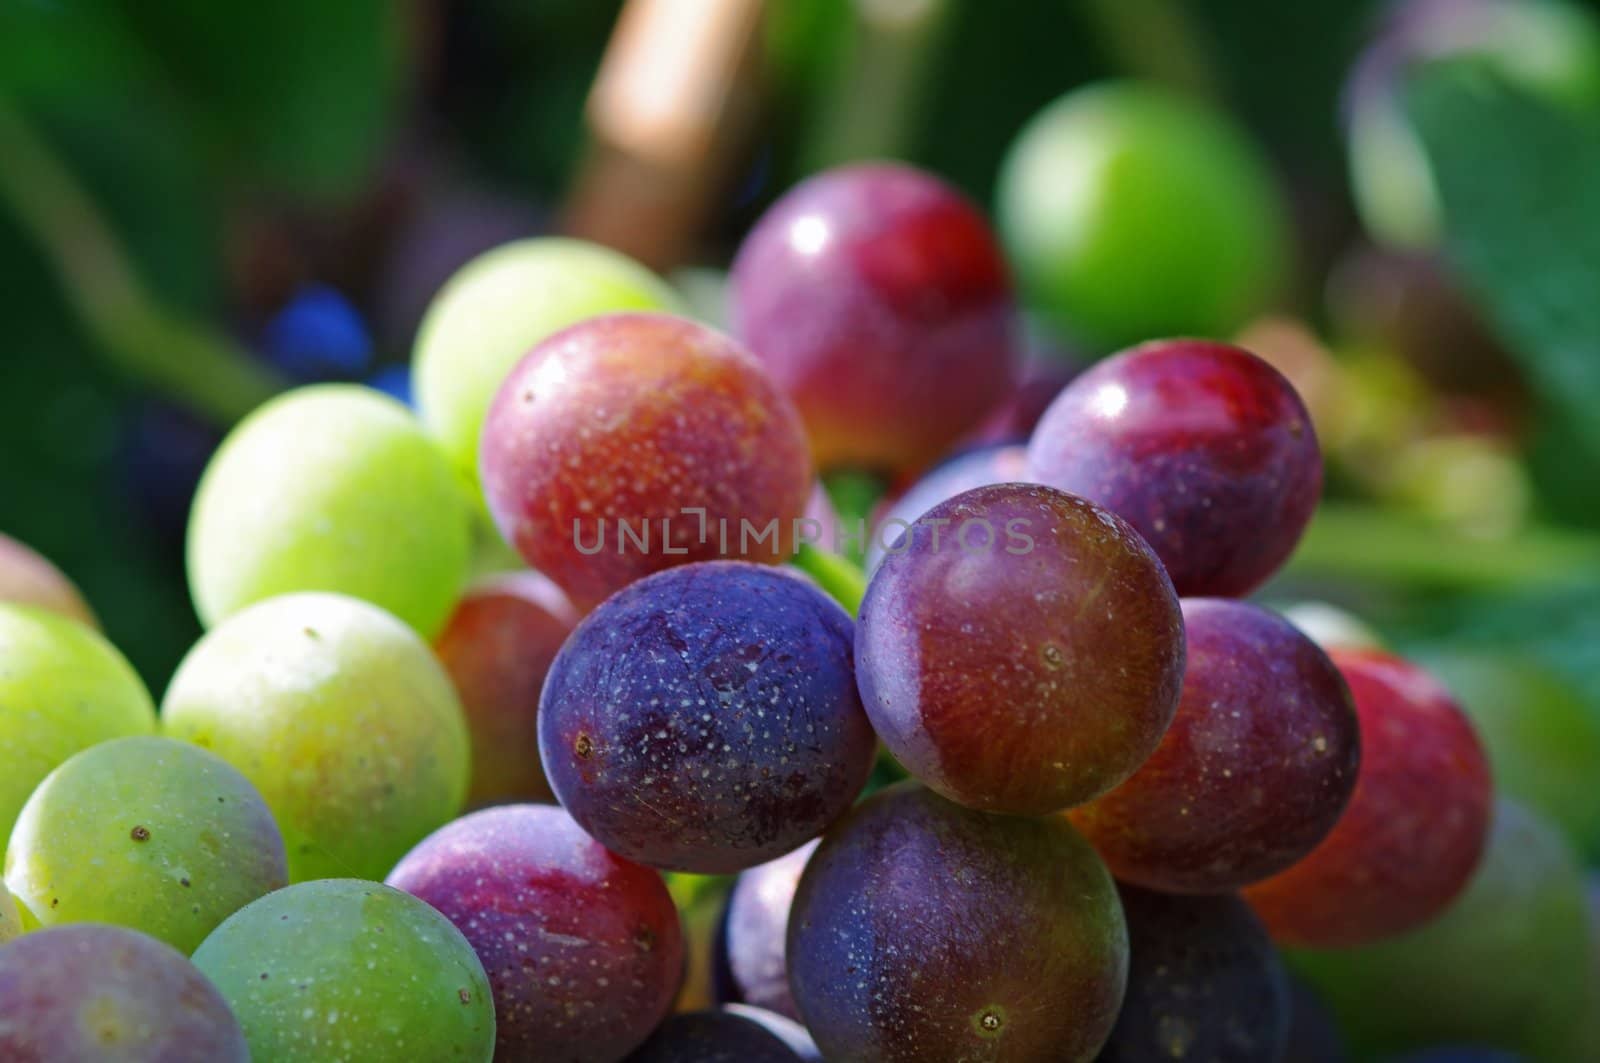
x=1520 y=183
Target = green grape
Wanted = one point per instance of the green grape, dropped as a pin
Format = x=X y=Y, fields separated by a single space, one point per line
x=331 y=488
x=10 y=920
x=1543 y=739
x=352 y=971
x=496 y=308
x=62 y=688
x=341 y=716
x=146 y=833
x=1506 y=966
x=1130 y=212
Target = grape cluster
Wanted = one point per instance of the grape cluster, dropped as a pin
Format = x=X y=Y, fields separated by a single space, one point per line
x=1053 y=792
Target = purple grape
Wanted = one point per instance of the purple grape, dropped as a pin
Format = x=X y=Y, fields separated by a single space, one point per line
x=583 y=949
x=706 y=718
x=89 y=993
x=924 y=932
x=1204 y=448
x=1029 y=660
x=713 y=1037
x=975 y=468
x=318 y=336
x=785 y=1029
x=879 y=300
x=1254 y=771
x=1205 y=984
x=754 y=929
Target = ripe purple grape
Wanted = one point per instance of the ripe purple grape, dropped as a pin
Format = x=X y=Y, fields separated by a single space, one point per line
x=1028 y=668
x=706 y=718
x=879 y=299
x=754 y=930
x=1204 y=983
x=497 y=647
x=785 y=1029
x=1254 y=771
x=1204 y=448
x=91 y=993
x=583 y=949
x=713 y=1037
x=648 y=421
x=924 y=932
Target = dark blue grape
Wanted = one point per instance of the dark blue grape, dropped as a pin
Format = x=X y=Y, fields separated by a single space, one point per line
x=706 y=718
x=318 y=336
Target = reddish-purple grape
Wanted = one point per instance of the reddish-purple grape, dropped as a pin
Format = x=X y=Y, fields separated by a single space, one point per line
x=1205 y=984
x=1204 y=448
x=754 y=930
x=706 y=718
x=89 y=993
x=583 y=949
x=975 y=468
x=630 y=443
x=713 y=1037
x=1254 y=771
x=880 y=301
x=1415 y=826
x=923 y=932
x=1026 y=660
x=497 y=647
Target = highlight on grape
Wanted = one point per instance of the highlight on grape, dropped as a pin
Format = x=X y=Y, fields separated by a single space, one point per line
x=745 y=538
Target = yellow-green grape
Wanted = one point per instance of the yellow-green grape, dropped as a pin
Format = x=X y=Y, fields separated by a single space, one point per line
x=351 y=971
x=146 y=833
x=497 y=308
x=1131 y=212
x=62 y=688
x=330 y=488
x=341 y=716
x=10 y=920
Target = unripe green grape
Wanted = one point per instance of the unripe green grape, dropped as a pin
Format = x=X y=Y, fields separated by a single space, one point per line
x=146 y=833
x=1131 y=212
x=62 y=688
x=10 y=919
x=353 y=971
x=330 y=488
x=340 y=715
x=496 y=309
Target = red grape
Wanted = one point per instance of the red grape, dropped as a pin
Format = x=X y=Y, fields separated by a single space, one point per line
x=497 y=647
x=879 y=299
x=1254 y=771
x=583 y=949
x=706 y=718
x=923 y=932
x=1029 y=673
x=1204 y=448
x=1415 y=826
x=633 y=442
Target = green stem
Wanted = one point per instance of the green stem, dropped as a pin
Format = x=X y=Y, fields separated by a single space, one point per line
x=839 y=576
x=189 y=360
x=1361 y=542
x=1156 y=40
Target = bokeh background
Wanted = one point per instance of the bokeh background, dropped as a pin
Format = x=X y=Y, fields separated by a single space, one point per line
x=203 y=203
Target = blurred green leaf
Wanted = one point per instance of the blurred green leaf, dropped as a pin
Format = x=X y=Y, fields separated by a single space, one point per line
x=1520 y=183
x=66 y=49
x=299 y=93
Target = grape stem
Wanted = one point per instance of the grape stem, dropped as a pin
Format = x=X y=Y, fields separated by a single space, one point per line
x=189 y=360
x=1157 y=40
x=839 y=576
x=1366 y=543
